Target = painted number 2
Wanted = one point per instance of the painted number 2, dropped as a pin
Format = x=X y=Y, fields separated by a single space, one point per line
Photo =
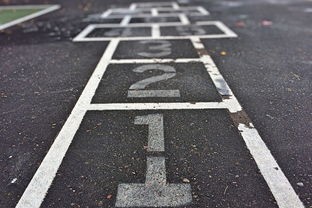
x=138 y=89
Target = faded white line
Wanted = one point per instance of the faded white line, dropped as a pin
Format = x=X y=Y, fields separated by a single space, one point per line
x=41 y=181
x=279 y=185
x=31 y=16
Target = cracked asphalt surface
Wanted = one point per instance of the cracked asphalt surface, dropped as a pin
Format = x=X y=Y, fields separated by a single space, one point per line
x=268 y=67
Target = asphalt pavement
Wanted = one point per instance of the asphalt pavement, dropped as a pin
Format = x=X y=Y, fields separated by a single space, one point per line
x=134 y=123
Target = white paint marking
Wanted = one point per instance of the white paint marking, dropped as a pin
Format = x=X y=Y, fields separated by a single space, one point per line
x=280 y=187
x=81 y=36
x=95 y=39
x=184 y=19
x=156 y=139
x=125 y=21
x=155 y=31
x=41 y=181
x=154 y=12
x=155 y=192
x=217 y=78
x=134 y=61
x=175 y=5
x=49 y=8
x=159 y=106
x=202 y=10
x=153 y=93
x=221 y=26
x=133 y=6
x=106 y=13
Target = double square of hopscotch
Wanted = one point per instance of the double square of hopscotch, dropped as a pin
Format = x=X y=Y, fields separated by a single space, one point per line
x=147 y=194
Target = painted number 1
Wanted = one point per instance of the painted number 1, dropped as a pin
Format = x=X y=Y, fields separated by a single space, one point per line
x=156 y=191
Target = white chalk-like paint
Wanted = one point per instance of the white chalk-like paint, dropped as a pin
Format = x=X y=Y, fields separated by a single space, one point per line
x=155 y=192
x=41 y=181
x=45 y=9
x=279 y=185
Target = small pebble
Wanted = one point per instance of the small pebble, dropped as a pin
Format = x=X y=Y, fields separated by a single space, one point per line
x=185 y=180
x=300 y=184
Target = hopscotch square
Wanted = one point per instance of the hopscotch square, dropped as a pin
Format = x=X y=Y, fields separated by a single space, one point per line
x=149 y=49
x=190 y=82
x=205 y=140
x=152 y=12
x=106 y=32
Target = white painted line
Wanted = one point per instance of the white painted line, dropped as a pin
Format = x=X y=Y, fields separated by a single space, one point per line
x=133 y=6
x=151 y=61
x=217 y=78
x=184 y=19
x=155 y=31
x=175 y=5
x=158 y=106
x=125 y=21
x=41 y=181
x=81 y=36
x=106 y=13
x=91 y=39
x=153 y=4
x=49 y=8
x=203 y=10
x=279 y=185
x=154 y=12
x=224 y=28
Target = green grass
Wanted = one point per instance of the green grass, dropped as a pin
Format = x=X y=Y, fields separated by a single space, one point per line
x=8 y=15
